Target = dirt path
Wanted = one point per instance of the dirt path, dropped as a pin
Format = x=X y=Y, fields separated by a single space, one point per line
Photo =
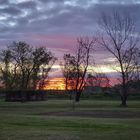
x=96 y=114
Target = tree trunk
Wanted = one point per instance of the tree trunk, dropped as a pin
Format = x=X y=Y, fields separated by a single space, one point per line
x=77 y=96
x=123 y=101
x=124 y=96
x=124 y=91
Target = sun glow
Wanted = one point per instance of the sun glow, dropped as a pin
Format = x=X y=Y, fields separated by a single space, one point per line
x=55 y=84
x=58 y=83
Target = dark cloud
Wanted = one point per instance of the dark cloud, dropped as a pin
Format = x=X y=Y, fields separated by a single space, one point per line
x=3 y=2
x=11 y=11
x=58 y=1
x=27 y=5
x=20 y=19
x=132 y=9
x=120 y=1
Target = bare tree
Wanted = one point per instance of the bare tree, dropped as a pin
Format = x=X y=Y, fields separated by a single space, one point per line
x=22 y=58
x=82 y=59
x=136 y=61
x=43 y=61
x=22 y=66
x=6 y=75
x=75 y=67
x=120 y=39
x=68 y=70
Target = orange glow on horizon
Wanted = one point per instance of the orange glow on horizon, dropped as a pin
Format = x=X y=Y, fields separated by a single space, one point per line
x=55 y=84
x=59 y=83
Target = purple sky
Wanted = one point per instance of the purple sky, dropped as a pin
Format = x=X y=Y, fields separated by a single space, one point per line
x=57 y=23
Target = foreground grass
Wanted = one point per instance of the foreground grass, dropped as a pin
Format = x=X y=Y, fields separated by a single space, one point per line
x=19 y=121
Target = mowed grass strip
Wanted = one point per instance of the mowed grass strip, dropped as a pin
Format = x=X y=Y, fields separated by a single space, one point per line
x=64 y=105
x=19 y=121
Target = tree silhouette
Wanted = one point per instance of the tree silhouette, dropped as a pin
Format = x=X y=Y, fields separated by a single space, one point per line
x=82 y=59
x=68 y=70
x=22 y=66
x=120 y=39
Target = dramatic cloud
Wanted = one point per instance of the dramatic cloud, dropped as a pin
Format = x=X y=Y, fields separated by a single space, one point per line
x=57 y=23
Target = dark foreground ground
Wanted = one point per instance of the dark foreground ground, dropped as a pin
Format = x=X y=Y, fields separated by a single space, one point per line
x=61 y=120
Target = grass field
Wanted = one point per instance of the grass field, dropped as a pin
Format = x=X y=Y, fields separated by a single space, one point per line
x=28 y=121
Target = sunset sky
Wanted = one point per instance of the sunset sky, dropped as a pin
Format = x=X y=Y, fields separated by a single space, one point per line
x=57 y=23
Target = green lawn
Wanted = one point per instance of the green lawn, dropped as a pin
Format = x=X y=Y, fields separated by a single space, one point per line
x=23 y=121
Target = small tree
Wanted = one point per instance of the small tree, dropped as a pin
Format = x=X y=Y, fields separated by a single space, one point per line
x=120 y=40
x=43 y=61
x=68 y=70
